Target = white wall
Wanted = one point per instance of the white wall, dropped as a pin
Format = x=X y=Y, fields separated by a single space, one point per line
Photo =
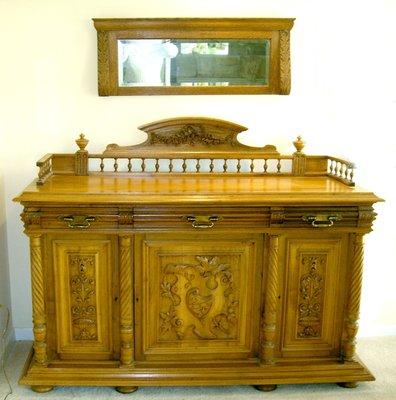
x=343 y=102
x=5 y=298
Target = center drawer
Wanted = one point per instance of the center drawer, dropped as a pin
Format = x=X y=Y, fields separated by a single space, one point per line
x=200 y=217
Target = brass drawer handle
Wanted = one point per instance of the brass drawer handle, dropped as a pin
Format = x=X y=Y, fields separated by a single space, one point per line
x=202 y=221
x=78 y=221
x=321 y=221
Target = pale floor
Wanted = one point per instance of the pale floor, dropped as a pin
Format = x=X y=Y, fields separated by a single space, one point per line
x=379 y=354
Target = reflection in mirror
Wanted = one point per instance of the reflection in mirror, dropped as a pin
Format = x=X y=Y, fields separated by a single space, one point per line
x=189 y=62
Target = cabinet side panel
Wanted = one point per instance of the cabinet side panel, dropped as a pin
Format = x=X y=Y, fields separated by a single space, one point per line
x=83 y=285
x=313 y=296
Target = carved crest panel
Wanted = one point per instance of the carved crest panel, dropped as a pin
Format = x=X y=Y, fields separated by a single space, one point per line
x=199 y=300
x=200 y=294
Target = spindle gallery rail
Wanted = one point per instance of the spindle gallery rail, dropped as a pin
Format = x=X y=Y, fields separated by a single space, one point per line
x=194 y=146
x=99 y=163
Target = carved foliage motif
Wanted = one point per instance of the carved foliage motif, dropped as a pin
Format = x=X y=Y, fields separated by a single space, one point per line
x=285 y=80
x=82 y=297
x=190 y=135
x=198 y=300
x=30 y=217
x=311 y=295
x=103 y=63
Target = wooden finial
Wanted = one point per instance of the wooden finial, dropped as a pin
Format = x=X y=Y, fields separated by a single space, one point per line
x=82 y=142
x=299 y=144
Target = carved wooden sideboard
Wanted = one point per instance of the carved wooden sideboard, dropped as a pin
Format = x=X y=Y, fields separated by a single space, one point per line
x=192 y=259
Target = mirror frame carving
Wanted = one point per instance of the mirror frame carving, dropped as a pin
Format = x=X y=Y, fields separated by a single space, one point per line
x=110 y=30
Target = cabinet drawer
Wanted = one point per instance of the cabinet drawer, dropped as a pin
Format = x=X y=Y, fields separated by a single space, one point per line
x=315 y=217
x=74 y=218
x=200 y=218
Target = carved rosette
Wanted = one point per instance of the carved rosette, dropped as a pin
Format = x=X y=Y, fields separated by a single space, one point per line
x=126 y=296
x=191 y=290
x=83 y=297
x=353 y=305
x=191 y=135
x=125 y=218
x=311 y=296
x=38 y=301
x=270 y=303
x=277 y=215
x=103 y=64
x=284 y=69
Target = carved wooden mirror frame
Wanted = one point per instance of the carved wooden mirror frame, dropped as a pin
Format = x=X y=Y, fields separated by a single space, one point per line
x=276 y=30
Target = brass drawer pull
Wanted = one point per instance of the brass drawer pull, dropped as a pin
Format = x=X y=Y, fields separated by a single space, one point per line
x=321 y=221
x=202 y=221
x=78 y=221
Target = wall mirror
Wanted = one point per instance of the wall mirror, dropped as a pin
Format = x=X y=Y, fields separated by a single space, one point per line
x=193 y=56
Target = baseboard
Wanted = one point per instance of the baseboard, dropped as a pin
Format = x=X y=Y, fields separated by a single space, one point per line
x=23 y=334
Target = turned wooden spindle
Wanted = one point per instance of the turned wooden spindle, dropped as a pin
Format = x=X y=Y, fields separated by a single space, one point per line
x=265 y=166
x=211 y=165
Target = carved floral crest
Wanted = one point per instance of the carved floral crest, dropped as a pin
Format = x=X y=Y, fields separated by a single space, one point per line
x=191 y=135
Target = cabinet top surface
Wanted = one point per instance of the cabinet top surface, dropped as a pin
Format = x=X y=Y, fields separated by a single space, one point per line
x=187 y=188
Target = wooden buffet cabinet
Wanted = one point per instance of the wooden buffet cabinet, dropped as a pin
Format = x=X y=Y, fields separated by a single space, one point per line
x=192 y=259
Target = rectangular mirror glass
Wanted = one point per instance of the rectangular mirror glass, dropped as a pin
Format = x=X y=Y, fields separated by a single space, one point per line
x=193 y=62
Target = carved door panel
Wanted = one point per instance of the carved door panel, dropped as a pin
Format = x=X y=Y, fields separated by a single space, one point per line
x=83 y=298
x=197 y=295
x=313 y=295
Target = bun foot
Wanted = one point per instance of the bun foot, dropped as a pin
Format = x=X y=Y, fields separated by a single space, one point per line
x=265 y=388
x=41 y=388
x=348 y=385
x=126 y=389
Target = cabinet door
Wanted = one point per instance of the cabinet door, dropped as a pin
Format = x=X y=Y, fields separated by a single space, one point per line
x=197 y=296
x=83 y=274
x=313 y=294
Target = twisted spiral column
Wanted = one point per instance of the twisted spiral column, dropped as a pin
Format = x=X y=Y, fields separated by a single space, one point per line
x=353 y=305
x=271 y=303
x=126 y=306
x=39 y=317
